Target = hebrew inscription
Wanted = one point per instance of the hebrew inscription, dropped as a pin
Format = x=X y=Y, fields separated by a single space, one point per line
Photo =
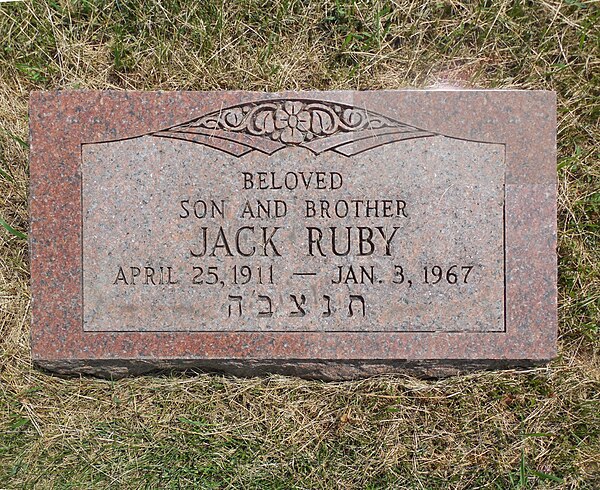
x=293 y=216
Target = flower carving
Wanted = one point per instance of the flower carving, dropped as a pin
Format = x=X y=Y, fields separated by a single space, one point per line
x=292 y=123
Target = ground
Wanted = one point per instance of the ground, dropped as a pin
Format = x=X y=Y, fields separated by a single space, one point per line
x=538 y=428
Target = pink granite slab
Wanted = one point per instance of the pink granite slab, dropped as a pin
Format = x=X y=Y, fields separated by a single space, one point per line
x=463 y=181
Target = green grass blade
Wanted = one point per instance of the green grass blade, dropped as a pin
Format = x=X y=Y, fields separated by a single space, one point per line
x=6 y=176
x=14 y=137
x=12 y=231
x=546 y=476
x=522 y=472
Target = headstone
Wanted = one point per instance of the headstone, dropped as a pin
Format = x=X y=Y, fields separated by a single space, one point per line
x=325 y=234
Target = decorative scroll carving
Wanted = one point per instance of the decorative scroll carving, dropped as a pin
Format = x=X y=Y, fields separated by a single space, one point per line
x=269 y=126
x=292 y=122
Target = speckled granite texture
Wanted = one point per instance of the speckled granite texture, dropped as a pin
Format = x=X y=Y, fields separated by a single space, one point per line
x=399 y=231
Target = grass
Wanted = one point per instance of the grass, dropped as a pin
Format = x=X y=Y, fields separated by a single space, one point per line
x=534 y=429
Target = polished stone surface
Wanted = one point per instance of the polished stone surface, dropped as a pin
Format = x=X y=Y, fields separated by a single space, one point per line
x=323 y=234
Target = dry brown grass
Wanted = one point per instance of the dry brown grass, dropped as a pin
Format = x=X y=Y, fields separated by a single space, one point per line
x=533 y=429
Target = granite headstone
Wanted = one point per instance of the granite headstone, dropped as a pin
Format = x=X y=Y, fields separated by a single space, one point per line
x=325 y=234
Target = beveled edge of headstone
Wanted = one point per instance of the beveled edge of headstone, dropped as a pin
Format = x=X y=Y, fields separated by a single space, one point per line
x=524 y=121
